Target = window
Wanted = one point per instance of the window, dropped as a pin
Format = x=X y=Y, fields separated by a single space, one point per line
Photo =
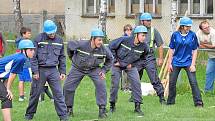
x=195 y=7
x=139 y=6
x=111 y=6
x=92 y=7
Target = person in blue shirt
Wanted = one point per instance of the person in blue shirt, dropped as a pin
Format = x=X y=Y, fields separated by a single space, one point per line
x=9 y=67
x=182 y=55
x=127 y=51
x=25 y=75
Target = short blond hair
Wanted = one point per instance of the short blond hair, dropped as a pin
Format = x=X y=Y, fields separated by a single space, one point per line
x=203 y=22
x=126 y=27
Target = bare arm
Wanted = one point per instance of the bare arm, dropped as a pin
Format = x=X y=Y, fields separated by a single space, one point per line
x=169 y=63
x=194 y=57
x=206 y=45
x=193 y=64
x=10 y=80
x=9 y=83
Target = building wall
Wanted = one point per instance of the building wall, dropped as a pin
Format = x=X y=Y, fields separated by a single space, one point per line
x=31 y=13
x=33 y=6
x=79 y=27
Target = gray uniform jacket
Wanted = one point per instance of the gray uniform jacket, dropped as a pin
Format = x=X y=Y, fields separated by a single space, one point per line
x=125 y=52
x=85 y=58
x=48 y=53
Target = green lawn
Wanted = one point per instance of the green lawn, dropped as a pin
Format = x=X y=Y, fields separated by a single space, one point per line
x=85 y=107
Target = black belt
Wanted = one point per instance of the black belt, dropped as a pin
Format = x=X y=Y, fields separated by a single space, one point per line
x=47 y=66
x=2 y=80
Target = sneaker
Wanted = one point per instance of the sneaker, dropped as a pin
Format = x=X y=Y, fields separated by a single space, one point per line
x=199 y=105
x=70 y=112
x=21 y=99
x=28 y=118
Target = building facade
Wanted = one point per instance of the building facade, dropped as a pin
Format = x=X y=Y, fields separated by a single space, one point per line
x=31 y=12
x=82 y=15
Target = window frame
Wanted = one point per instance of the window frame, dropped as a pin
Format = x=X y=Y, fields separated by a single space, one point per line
x=141 y=9
x=95 y=14
x=202 y=7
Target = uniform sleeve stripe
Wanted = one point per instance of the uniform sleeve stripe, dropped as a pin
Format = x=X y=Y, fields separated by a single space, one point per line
x=138 y=51
x=57 y=44
x=126 y=47
x=83 y=52
x=43 y=43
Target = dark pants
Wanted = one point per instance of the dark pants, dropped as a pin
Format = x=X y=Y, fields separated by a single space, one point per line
x=133 y=76
x=47 y=92
x=73 y=80
x=5 y=102
x=150 y=66
x=193 y=83
x=52 y=76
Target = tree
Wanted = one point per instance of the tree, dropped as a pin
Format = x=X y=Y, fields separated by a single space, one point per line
x=17 y=16
x=173 y=16
x=103 y=15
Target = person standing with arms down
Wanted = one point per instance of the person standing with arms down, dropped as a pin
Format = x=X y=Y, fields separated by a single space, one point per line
x=182 y=55
x=48 y=65
x=26 y=74
x=149 y=63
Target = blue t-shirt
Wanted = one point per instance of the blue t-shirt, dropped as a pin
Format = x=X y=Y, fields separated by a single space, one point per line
x=183 y=47
x=11 y=64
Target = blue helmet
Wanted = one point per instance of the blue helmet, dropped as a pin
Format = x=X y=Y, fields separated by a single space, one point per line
x=145 y=16
x=185 y=21
x=49 y=27
x=97 y=33
x=140 y=29
x=26 y=44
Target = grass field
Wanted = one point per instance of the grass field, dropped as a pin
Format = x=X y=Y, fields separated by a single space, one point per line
x=85 y=107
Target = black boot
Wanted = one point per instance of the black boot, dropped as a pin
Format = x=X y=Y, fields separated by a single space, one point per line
x=162 y=99
x=138 y=110
x=102 y=111
x=112 y=107
x=70 y=111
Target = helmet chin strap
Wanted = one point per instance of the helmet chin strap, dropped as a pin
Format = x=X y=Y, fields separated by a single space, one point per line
x=137 y=39
x=25 y=51
x=94 y=42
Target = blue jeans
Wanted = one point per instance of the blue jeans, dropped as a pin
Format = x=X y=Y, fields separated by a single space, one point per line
x=210 y=75
x=193 y=83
